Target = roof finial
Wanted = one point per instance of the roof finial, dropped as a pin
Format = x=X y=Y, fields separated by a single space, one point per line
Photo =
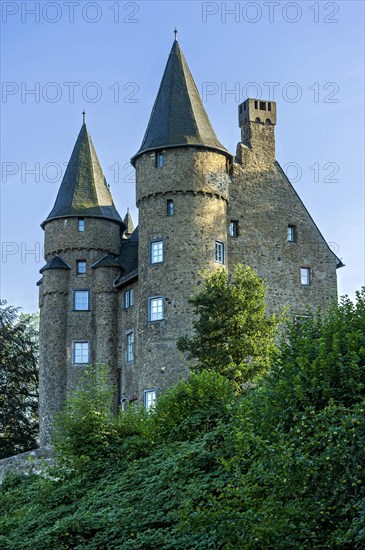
x=175 y=33
x=83 y=116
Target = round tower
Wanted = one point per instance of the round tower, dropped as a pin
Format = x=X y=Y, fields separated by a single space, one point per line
x=182 y=194
x=78 y=305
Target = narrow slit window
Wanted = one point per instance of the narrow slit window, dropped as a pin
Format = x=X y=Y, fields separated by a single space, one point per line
x=159 y=160
x=170 y=207
x=233 y=228
x=292 y=233
x=130 y=346
x=81 y=225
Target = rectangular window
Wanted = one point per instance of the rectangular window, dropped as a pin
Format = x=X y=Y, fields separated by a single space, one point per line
x=130 y=347
x=305 y=276
x=170 y=207
x=300 y=319
x=262 y=105
x=159 y=160
x=129 y=298
x=81 y=352
x=233 y=228
x=81 y=267
x=149 y=398
x=292 y=233
x=81 y=224
x=156 y=252
x=256 y=104
x=219 y=252
x=155 y=309
x=81 y=300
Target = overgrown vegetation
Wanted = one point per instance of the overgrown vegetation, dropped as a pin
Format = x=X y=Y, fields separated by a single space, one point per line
x=232 y=334
x=18 y=381
x=280 y=465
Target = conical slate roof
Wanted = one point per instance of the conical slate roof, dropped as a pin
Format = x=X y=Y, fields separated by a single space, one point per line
x=128 y=223
x=84 y=191
x=178 y=116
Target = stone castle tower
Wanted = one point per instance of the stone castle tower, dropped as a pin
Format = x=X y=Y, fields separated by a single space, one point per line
x=111 y=294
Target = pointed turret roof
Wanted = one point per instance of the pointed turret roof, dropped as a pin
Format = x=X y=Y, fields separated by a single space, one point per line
x=84 y=191
x=178 y=116
x=128 y=222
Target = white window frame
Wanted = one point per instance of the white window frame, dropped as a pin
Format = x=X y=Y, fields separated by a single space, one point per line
x=149 y=398
x=129 y=346
x=156 y=308
x=291 y=233
x=219 y=252
x=81 y=295
x=78 y=263
x=129 y=298
x=156 y=251
x=305 y=276
x=81 y=225
x=81 y=351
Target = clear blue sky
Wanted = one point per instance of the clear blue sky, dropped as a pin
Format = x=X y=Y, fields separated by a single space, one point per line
x=108 y=57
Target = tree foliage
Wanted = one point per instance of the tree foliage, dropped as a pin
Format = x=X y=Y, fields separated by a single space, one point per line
x=232 y=334
x=281 y=465
x=18 y=381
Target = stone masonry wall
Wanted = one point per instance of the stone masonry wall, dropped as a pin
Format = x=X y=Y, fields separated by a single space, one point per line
x=197 y=182
x=265 y=203
x=61 y=325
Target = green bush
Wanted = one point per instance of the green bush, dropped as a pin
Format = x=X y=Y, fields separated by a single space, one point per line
x=192 y=406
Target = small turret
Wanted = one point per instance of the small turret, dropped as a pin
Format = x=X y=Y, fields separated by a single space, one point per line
x=257 y=119
x=129 y=225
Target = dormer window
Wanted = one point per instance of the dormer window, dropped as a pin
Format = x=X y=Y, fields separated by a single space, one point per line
x=81 y=225
x=159 y=158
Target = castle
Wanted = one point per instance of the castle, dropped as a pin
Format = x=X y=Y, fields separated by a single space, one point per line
x=111 y=294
